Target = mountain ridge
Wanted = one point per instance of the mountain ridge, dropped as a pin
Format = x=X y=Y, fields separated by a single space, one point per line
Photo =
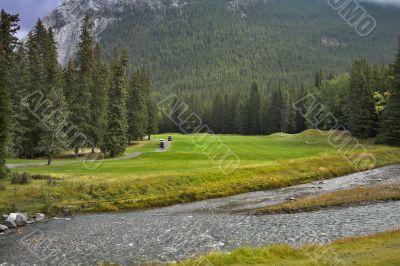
x=225 y=44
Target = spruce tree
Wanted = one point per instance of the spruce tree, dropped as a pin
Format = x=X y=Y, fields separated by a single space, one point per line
x=255 y=110
x=116 y=134
x=300 y=119
x=153 y=118
x=20 y=113
x=8 y=28
x=390 y=127
x=53 y=139
x=252 y=123
x=318 y=78
x=81 y=107
x=217 y=114
x=71 y=83
x=275 y=112
x=40 y=80
x=99 y=98
x=363 y=119
x=137 y=106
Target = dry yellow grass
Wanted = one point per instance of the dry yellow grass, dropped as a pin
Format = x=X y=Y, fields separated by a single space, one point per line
x=365 y=195
x=375 y=250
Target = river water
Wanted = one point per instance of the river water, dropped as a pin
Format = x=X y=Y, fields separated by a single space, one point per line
x=179 y=232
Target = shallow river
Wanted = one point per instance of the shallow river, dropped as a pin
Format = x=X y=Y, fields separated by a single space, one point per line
x=179 y=232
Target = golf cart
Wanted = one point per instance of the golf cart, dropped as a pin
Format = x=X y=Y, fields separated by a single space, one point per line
x=162 y=143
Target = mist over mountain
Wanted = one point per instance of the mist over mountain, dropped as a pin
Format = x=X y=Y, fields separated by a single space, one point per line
x=223 y=44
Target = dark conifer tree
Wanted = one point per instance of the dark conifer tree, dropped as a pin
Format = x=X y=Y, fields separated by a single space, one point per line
x=71 y=84
x=390 y=126
x=53 y=139
x=153 y=118
x=252 y=122
x=116 y=134
x=363 y=119
x=8 y=28
x=318 y=78
x=300 y=120
x=274 y=112
x=81 y=107
x=99 y=98
x=20 y=111
x=137 y=106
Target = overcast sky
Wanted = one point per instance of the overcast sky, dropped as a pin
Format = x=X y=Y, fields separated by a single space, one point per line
x=394 y=2
x=31 y=10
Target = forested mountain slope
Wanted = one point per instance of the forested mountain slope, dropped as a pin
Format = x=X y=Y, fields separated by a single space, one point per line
x=222 y=44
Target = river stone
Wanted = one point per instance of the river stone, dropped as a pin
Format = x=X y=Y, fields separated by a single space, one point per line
x=39 y=216
x=3 y=228
x=21 y=219
x=9 y=224
x=18 y=218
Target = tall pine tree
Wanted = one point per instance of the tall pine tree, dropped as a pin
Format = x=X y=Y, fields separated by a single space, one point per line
x=8 y=28
x=363 y=119
x=81 y=105
x=116 y=134
x=99 y=98
x=137 y=106
x=390 y=126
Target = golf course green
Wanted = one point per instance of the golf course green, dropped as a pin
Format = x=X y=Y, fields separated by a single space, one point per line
x=183 y=173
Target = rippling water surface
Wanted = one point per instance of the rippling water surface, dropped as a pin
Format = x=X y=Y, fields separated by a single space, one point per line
x=179 y=232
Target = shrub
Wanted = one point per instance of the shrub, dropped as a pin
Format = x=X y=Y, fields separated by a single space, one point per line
x=40 y=177
x=20 y=179
x=3 y=172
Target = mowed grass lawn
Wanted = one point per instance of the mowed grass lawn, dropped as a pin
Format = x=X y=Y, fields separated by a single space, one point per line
x=182 y=174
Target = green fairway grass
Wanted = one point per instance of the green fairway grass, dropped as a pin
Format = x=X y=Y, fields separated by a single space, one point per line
x=376 y=250
x=182 y=174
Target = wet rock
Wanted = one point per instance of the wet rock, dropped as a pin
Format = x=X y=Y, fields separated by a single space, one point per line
x=39 y=217
x=5 y=216
x=18 y=218
x=63 y=219
x=3 y=228
x=9 y=224
x=21 y=220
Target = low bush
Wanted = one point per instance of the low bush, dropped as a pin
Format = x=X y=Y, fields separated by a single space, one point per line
x=20 y=179
x=40 y=177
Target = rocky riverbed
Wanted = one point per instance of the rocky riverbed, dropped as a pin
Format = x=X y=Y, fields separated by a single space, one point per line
x=178 y=232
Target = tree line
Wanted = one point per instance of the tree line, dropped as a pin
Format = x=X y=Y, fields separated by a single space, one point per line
x=110 y=108
x=364 y=101
x=41 y=101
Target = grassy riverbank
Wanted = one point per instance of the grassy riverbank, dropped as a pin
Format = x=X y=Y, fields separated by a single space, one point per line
x=359 y=195
x=376 y=250
x=183 y=174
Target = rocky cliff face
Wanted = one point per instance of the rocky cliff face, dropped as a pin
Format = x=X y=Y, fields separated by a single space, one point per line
x=66 y=20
